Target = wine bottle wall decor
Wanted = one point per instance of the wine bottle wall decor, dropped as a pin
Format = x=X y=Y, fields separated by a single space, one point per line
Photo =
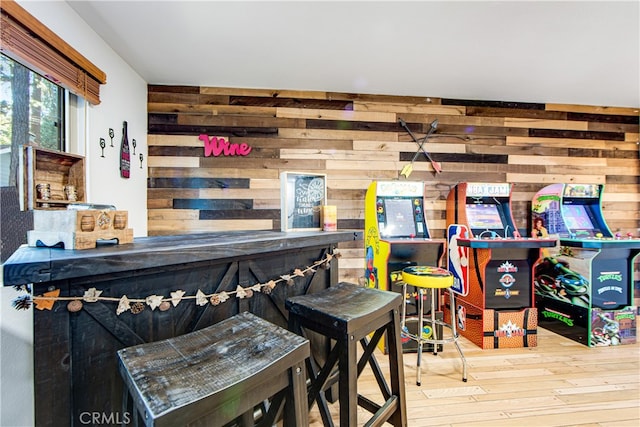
x=125 y=157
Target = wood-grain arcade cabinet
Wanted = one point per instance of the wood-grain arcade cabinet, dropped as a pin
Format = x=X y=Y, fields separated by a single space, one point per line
x=397 y=236
x=493 y=267
x=584 y=287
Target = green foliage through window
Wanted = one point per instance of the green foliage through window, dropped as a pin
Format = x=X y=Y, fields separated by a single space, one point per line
x=31 y=111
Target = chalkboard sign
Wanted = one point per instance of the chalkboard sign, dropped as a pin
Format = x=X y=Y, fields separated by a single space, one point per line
x=302 y=196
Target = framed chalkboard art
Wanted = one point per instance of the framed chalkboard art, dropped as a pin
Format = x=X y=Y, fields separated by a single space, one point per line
x=302 y=198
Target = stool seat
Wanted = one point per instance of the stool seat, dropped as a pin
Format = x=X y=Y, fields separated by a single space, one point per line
x=214 y=375
x=432 y=280
x=349 y=314
x=427 y=277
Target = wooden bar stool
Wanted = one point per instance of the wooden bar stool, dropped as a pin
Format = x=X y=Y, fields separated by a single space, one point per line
x=347 y=314
x=217 y=374
x=431 y=279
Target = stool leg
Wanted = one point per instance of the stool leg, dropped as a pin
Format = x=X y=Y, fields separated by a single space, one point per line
x=399 y=418
x=419 y=334
x=296 y=408
x=403 y=317
x=348 y=389
x=454 y=329
x=314 y=392
x=434 y=329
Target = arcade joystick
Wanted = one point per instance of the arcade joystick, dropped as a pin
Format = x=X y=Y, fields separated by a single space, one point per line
x=618 y=236
x=629 y=235
x=598 y=235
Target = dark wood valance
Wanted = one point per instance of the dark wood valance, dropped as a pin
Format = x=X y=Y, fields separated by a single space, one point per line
x=28 y=41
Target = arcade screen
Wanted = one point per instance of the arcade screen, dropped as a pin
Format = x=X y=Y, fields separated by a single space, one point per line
x=576 y=217
x=483 y=216
x=399 y=218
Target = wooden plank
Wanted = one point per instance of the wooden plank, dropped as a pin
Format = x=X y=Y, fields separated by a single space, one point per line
x=155 y=203
x=414 y=108
x=337 y=134
x=261 y=184
x=204 y=172
x=238 y=193
x=560 y=142
x=187 y=97
x=364 y=165
x=612 y=127
x=387 y=99
x=173 y=214
x=349 y=115
x=514 y=112
x=268 y=93
x=172 y=162
x=325 y=144
x=452 y=120
x=557 y=160
x=171 y=193
x=265 y=163
x=620 y=197
x=310 y=153
x=166 y=107
x=551 y=179
x=632 y=137
x=176 y=140
x=431 y=147
x=627 y=111
x=234 y=121
x=545 y=124
x=192 y=226
x=347 y=175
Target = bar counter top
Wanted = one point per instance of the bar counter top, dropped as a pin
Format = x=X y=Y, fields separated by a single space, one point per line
x=41 y=264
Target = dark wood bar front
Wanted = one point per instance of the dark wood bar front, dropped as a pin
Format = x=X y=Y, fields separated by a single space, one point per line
x=76 y=375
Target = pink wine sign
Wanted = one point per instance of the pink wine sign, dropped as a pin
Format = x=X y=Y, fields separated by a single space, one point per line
x=216 y=147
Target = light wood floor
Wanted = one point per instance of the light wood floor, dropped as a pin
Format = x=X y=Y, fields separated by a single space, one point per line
x=558 y=383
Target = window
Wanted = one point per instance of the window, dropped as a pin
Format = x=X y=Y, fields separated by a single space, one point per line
x=31 y=111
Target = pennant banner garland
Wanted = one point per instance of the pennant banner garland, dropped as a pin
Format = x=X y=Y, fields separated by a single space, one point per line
x=160 y=302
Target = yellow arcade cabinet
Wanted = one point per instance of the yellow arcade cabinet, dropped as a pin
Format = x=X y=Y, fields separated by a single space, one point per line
x=397 y=236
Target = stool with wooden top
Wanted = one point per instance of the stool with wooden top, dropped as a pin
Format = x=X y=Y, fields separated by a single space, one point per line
x=348 y=314
x=218 y=374
x=431 y=279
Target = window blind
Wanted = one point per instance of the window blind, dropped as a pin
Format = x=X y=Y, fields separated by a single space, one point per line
x=26 y=40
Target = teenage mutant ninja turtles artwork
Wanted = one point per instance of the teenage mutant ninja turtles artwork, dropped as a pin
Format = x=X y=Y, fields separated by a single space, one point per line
x=554 y=279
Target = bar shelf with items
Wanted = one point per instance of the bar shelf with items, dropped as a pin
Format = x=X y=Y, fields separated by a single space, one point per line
x=52 y=179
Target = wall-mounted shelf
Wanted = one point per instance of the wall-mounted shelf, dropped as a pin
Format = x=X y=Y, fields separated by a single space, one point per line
x=44 y=166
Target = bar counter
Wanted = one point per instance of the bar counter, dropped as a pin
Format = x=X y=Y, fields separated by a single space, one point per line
x=76 y=376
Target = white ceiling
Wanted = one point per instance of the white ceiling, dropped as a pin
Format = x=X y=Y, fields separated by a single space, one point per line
x=575 y=52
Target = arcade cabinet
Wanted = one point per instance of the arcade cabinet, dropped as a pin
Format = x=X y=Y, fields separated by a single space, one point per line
x=397 y=236
x=584 y=287
x=492 y=267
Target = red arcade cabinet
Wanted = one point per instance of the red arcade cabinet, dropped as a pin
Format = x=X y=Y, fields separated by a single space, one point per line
x=493 y=267
x=584 y=287
x=397 y=236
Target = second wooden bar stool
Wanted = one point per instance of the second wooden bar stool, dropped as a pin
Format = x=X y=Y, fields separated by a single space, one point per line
x=348 y=314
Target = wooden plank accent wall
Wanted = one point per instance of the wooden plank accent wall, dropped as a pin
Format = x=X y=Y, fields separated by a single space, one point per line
x=355 y=139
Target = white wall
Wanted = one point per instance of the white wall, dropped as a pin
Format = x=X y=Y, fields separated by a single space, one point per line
x=124 y=97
